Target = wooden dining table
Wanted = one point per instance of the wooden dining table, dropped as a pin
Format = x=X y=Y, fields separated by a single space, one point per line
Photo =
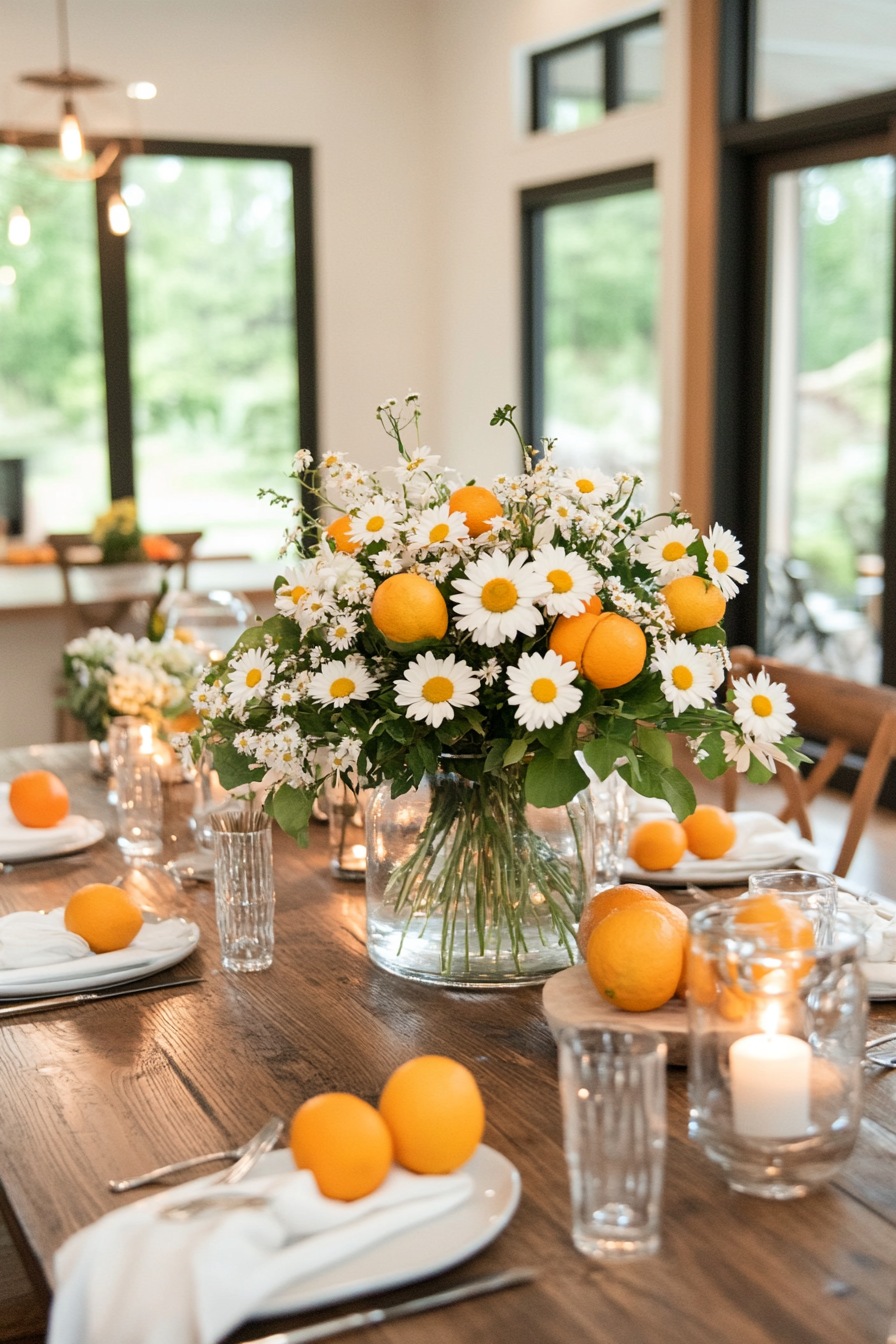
x=114 y=1088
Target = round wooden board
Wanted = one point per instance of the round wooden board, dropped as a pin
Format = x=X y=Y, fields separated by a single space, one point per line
x=569 y=999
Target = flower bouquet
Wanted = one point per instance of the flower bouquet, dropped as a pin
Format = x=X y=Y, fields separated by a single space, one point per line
x=108 y=674
x=464 y=648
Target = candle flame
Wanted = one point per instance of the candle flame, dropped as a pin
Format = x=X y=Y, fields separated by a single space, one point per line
x=770 y=1019
x=146 y=740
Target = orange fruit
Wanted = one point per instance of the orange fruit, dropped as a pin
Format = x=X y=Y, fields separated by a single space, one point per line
x=407 y=607
x=187 y=722
x=104 y=916
x=614 y=652
x=710 y=831
x=435 y=1114
x=699 y=978
x=344 y=1142
x=658 y=844
x=635 y=958
x=695 y=603
x=570 y=635
x=38 y=799
x=594 y=606
x=608 y=900
x=338 y=530
x=478 y=506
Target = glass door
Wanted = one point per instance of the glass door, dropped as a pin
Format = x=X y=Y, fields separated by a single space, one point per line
x=827 y=411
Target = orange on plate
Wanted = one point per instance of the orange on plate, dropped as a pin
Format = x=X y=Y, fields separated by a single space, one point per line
x=710 y=831
x=104 y=916
x=635 y=958
x=38 y=798
x=435 y=1114
x=338 y=530
x=657 y=845
x=478 y=506
x=344 y=1143
x=407 y=607
x=608 y=900
x=695 y=603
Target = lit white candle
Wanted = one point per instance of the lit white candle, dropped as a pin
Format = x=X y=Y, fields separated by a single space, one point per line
x=770 y=1086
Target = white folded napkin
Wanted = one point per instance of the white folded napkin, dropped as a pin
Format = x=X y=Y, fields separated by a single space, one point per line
x=878 y=921
x=135 y=1278
x=30 y=939
x=762 y=840
x=16 y=839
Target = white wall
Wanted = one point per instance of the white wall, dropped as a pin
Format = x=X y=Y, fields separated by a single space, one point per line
x=413 y=108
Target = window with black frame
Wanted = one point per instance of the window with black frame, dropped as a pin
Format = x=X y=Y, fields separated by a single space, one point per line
x=805 y=429
x=577 y=83
x=175 y=363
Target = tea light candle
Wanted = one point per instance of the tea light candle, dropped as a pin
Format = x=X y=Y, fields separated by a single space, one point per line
x=770 y=1086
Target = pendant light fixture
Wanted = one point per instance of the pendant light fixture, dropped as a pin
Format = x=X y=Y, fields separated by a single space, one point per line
x=19 y=229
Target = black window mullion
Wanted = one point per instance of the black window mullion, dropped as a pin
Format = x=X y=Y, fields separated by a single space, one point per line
x=888 y=602
x=533 y=323
x=116 y=340
x=614 y=94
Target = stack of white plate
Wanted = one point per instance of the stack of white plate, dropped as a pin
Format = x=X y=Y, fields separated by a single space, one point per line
x=18 y=843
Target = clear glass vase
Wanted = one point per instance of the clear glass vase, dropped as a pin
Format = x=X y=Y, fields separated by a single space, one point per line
x=469 y=886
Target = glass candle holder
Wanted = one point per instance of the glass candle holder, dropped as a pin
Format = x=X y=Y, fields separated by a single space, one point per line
x=138 y=789
x=347 y=815
x=609 y=799
x=777 y=1015
x=244 y=889
x=816 y=892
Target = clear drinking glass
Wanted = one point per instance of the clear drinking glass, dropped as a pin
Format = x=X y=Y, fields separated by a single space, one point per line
x=138 y=791
x=244 y=889
x=613 y=1090
x=609 y=798
x=347 y=809
x=815 y=892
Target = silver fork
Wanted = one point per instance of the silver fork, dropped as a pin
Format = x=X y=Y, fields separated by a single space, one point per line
x=150 y=1177
x=263 y=1142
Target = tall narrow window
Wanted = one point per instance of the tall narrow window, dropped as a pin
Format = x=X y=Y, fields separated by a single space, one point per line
x=593 y=369
x=52 y=403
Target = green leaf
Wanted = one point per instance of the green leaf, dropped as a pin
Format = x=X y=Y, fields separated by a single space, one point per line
x=292 y=811
x=601 y=753
x=757 y=772
x=791 y=749
x=712 y=634
x=516 y=751
x=495 y=756
x=678 y=793
x=232 y=767
x=551 y=782
x=656 y=744
x=409 y=650
x=713 y=764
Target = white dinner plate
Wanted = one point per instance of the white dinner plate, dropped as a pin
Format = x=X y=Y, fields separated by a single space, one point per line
x=98 y=970
x=702 y=872
x=420 y=1251
x=45 y=847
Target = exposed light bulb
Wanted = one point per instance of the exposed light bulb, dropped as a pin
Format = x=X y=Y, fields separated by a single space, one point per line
x=19 y=227
x=7 y=276
x=142 y=89
x=71 y=142
x=119 y=219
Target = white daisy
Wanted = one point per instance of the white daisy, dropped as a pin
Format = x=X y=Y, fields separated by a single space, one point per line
x=496 y=598
x=336 y=683
x=335 y=569
x=761 y=707
x=375 y=521
x=284 y=696
x=314 y=608
x=421 y=460
x=572 y=581
x=665 y=551
x=250 y=675
x=723 y=560
x=490 y=671
x=438 y=527
x=688 y=676
x=387 y=562
x=302 y=460
x=297 y=583
x=738 y=753
x=542 y=689
x=245 y=743
x=343 y=632
x=563 y=513
x=588 y=487
x=332 y=463
x=345 y=755
x=432 y=688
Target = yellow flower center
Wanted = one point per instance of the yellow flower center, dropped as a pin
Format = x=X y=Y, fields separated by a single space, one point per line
x=584 y=486
x=498 y=595
x=437 y=690
x=762 y=706
x=561 y=580
x=682 y=678
x=376 y=523
x=297 y=592
x=720 y=560
x=253 y=676
x=544 y=690
x=340 y=632
x=341 y=687
x=673 y=550
x=439 y=532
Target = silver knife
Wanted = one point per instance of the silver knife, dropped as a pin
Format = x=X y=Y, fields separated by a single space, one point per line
x=67 y=1000
x=358 y=1320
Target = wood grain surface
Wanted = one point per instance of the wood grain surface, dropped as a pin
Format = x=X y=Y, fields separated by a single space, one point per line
x=112 y=1089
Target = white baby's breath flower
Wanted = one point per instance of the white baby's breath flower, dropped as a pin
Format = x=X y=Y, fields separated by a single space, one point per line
x=687 y=675
x=432 y=688
x=723 y=560
x=495 y=599
x=542 y=690
x=337 y=683
x=761 y=707
x=376 y=520
x=250 y=676
x=571 y=579
x=665 y=551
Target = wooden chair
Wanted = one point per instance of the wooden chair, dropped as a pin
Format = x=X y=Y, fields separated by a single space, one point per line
x=844 y=714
